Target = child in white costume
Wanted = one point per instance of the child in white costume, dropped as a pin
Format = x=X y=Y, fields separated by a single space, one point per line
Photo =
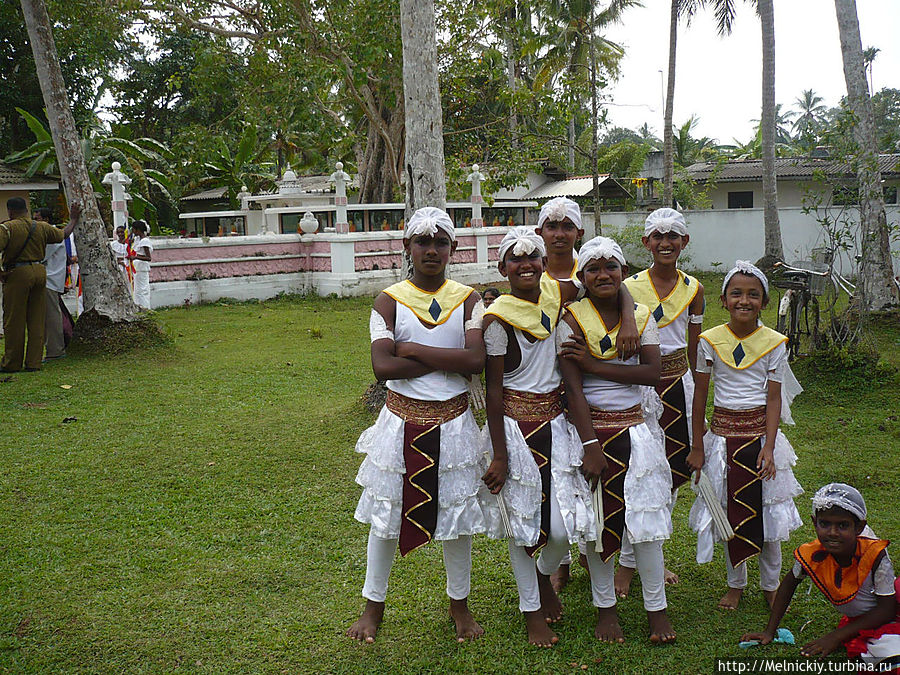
x=535 y=453
x=746 y=457
x=605 y=405
x=141 y=255
x=421 y=473
x=676 y=302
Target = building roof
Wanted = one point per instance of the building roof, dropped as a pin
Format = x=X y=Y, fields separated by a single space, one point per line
x=579 y=186
x=14 y=178
x=789 y=168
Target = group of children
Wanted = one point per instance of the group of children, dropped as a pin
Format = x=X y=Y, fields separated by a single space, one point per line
x=597 y=383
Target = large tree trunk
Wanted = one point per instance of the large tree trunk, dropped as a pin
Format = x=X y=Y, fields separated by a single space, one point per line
x=773 y=246
x=571 y=148
x=668 y=140
x=425 y=180
x=876 y=268
x=105 y=291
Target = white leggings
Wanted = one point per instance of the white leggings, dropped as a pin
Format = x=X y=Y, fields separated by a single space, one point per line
x=769 y=568
x=649 y=558
x=626 y=555
x=380 y=558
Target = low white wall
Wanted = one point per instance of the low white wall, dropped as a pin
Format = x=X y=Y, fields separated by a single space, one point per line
x=724 y=236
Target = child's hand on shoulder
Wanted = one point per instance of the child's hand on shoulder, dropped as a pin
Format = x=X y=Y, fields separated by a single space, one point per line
x=495 y=476
x=765 y=462
x=575 y=349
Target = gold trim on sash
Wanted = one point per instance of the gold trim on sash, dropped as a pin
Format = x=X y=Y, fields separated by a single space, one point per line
x=665 y=310
x=617 y=419
x=738 y=423
x=426 y=413
x=538 y=319
x=674 y=365
x=527 y=406
x=741 y=353
x=431 y=308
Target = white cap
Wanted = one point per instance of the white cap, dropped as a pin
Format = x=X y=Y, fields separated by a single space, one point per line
x=665 y=220
x=842 y=496
x=523 y=241
x=748 y=268
x=599 y=247
x=558 y=209
x=426 y=221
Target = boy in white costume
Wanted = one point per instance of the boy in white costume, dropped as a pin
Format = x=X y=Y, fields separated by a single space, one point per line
x=421 y=473
x=535 y=453
x=745 y=455
x=676 y=301
x=622 y=457
x=142 y=250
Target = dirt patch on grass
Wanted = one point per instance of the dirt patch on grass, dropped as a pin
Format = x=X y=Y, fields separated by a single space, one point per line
x=96 y=334
x=374 y=397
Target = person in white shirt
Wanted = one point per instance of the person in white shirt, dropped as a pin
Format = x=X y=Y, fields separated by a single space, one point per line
x=142 y=250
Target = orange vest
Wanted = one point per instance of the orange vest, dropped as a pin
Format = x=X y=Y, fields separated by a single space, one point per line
x=839 y=584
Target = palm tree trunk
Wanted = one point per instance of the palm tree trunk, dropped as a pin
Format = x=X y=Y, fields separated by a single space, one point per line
x=876 y=268
x=106 y=294
x=668 y=154
x=773 y=245
x=571 y=148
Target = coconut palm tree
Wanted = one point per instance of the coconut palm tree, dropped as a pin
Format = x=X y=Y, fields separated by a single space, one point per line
x=876 y=268
x=869 y=54
x=809 y=118
x=724 y=11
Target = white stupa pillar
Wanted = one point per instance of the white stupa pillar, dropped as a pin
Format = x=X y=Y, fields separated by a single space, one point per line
x=475 y=179
x=340 y=179
x=118 y=181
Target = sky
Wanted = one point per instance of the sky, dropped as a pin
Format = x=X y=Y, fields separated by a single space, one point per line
x=719 y=79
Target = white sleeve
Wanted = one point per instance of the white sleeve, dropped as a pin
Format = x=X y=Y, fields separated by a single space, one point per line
x=777 y=362
x=477 y=316
x=705 y=357
x=563 y=333
x=883 y=577
x=378 y=329
x=798 y=571
x=496 y=339
x=650 y=336
x=695 y=318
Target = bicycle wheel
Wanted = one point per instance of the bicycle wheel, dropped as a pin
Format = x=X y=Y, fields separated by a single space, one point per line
x=829 y=297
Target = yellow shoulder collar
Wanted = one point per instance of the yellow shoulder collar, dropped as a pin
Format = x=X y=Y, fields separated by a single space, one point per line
x=665 y=310
x=741 y=353
x=600 y=341
x=537 y=319
x=432 y=308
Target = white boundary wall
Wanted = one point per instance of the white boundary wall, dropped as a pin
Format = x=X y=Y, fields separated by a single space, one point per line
x=725 y=236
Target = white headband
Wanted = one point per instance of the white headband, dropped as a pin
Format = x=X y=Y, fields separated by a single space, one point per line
x=426 y=221
x=558 y=209
x=745 y=267
x=842 y=496
x=665 y=220
x=599 y=247
x=523 y=241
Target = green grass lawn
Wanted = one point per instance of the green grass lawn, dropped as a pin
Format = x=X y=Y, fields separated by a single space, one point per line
x=197 y=515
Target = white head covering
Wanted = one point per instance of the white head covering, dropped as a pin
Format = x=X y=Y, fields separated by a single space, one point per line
x=599 y=247
x=665 y=220
x=842 y=496
x=426 y=221
x=746 y=267
x=523 y=241
x=560 y=208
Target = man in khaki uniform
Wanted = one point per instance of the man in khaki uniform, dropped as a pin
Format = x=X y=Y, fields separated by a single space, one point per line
x=24 y=297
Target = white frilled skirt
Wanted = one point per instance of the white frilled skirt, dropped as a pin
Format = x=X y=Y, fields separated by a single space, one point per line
x=459 y=477
x=779 y=513
x=648 y=487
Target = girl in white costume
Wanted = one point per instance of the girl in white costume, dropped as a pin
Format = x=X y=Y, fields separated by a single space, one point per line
x=744 y=454
x=421 y=473
x=620 y=450
x=535 y=453
x=141 y=255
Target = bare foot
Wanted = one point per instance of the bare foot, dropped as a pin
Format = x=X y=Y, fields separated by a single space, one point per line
x=550 y=604
x=670 y=577
x=770 y=597
x=661 y=631
x=731 y=599
x=608 y=628
x=466 y=626
x=539 y=633
x=560 y=578
x=366 y=626
x=622 y=581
